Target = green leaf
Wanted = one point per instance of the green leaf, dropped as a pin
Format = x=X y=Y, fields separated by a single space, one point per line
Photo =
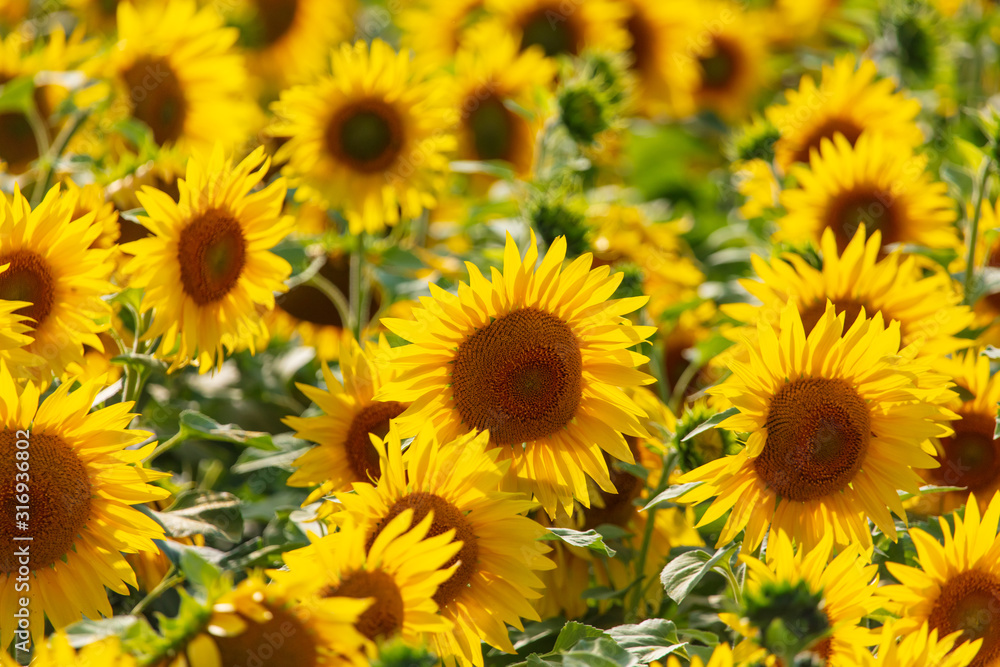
x=221 y=511
x=703 y=636
x=590 y=539
x=711 y=422
x=18 y=94
x=199 y=571
x=683 y=573
x=598 y=652
x=574 y=632
x=282 y=460
x=650 y=640
x=87 y=631
x=671 y=492
x=195 y=424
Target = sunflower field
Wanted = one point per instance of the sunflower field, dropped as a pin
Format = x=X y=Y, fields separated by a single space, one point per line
x=499 y=333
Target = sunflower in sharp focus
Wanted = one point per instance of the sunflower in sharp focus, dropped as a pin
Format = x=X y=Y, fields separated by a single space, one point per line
x=969 y=458
x=208 y=265
x=501 y=552
x=957 y=586
x=730 y=50
x=370 y=139
x=304 y=310
x=492 y=73
x=51 y=265
x=434 y=29
x=84 y=476
x=919 y=648
x=928 y=308
x=791 y=580
x=344 y=454
x=877 y=182
x=398 y=570
x=848 y=100
x=13 y=339
x=836 y=420
x=277 y=624
x=174 y=69
x=562 y=28
x=287 y=41
x=536 y=356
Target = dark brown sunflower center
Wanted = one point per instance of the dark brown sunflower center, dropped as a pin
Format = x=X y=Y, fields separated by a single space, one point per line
x=866 y=206
x=211 y=252
x=643 y=42
x=491 y=126
x=971 y=456
x=818 y=431
x=28 y=279
x=367 y=136
x=276 y=18
x=617 y=508
x=520 y=377
x=969 y=602
x=446 y=517
x=282 y=640
x=57 y=492
x=306 y=303
x=157 y=97
x=720 y=66
x=850 y=308
x=17 y=142
x=827 y=130
x=373 y=419
x=384 y=618
x=108 y=7
x=552 y=29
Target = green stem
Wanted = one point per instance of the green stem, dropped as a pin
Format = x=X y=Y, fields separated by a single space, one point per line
x=335 y=296
x=176 y=439
x=632 y=610
x=58 y=146
x=42 y=141
x=169 y=580
x=978 y=194
x=730 y=576
x=357 y=278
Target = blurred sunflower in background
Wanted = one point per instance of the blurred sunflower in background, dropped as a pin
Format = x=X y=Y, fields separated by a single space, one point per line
x=562 y=28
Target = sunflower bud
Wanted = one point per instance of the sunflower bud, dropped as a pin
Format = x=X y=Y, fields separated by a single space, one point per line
x=788 y=617
x=704 y=447
x=555 y=216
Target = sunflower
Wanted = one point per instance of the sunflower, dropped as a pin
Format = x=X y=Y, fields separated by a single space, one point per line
x=51 y=265
x=287 y=41
x=843 y=590
x=536 y=357
x=928 y=308
x=175 y=70
x=492 y=74
x=919 y=648
x=400 y=570
x=274 y=624
x=207 y=267
x=345 y=454
x=876 y=182
x=500 y=553
x=57 y=652
x=756 y=181
x=434 y=29
x=957 y=586
x=730 y=52
x=836 y=423
x=672 y=527
x=667 y=75
x=792 y=22
x=83 y=477
x=369 y=139
x=13 y=338
x=560 y=27
x=306 y=311
x=81 y=201
x=848 y=101
x=21 y=57
x=971 y=457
